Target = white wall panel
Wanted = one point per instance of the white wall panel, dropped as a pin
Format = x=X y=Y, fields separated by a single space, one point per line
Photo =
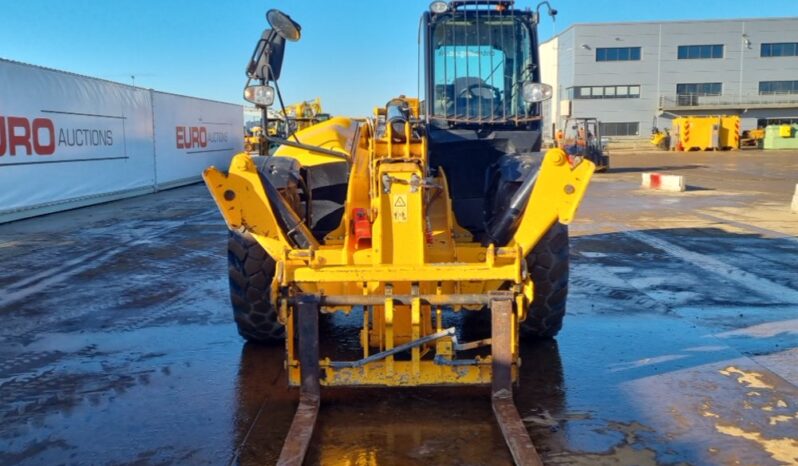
x=192 y=134
x=67 y=138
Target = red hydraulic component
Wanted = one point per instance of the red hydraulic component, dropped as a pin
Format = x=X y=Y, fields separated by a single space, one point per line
x=361 y=226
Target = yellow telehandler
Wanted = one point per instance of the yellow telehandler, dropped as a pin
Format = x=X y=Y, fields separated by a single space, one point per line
x=429 y=207
x=304 y=114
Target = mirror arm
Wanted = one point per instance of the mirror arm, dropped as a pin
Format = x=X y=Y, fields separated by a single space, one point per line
x=282 y=108
x=252 y=58
x=267 y=49
x=266 y=44
x=263 y=148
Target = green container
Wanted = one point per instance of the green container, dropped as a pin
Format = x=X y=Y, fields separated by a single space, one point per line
x=776 y=137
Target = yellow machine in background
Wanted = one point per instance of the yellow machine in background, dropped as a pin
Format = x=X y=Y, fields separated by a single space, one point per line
x=661 y=139
x=383 y=218
x=252 y=139
x=304 y=114
x=752 y=138
x=281 y=124
x=706 y=133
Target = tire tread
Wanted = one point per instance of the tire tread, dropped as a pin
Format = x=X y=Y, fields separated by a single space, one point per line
x=250 y=272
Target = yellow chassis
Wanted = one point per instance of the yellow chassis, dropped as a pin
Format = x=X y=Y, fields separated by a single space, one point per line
x=417 y=251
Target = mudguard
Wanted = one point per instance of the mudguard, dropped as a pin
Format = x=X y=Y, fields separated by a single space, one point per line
x=514 y=167
x=282 y=172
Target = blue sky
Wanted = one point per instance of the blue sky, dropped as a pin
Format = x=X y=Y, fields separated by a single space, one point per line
x=353 y=54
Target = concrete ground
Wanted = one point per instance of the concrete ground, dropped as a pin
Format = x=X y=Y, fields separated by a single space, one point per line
x=681 y=344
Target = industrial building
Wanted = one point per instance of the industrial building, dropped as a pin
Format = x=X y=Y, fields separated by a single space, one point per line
x=635 y=75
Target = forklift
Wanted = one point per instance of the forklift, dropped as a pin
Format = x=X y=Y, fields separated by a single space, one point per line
x=582 y=138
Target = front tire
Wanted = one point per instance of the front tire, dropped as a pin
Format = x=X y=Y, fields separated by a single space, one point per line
x=548 y=265
x=251 y=270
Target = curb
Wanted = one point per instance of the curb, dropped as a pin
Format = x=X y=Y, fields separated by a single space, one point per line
x=658 y=181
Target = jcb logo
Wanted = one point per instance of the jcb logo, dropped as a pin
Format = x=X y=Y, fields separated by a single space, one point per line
x=20 y=135
x=190 y=137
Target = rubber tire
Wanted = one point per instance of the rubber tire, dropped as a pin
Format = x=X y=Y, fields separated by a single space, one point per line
x=251 y=270
x=604 y=166
x=548 y=264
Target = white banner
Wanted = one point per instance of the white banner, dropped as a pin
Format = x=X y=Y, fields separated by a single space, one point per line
x=68 y=140
x=192 y=134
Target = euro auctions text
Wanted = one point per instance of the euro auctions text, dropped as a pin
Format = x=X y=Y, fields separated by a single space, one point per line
x=40 y=136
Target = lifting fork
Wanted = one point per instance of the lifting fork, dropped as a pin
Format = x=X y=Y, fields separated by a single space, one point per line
x=512 y=427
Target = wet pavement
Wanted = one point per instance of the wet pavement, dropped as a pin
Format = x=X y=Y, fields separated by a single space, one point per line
x=681 y=344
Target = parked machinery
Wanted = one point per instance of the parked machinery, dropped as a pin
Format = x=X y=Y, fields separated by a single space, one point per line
x=706 y=133
x=582 y=137
x=752 y=138
x=304 y=114
x=252 y=139
x=425 y=208
x=660 y=138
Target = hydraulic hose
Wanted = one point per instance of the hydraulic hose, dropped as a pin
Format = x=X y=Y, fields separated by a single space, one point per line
x=293 y=227
x=501 y=231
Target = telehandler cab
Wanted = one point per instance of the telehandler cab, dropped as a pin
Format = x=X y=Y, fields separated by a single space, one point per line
x=431 y=206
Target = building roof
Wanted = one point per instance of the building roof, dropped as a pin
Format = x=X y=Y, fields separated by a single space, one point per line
x=669 y=21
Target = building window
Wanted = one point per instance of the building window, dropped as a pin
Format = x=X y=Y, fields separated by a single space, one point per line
x=617 y=53
x=763 y=122
x=620 y=129
x=692 y=52
x=778 y=87
x=779 y=49
x=699 y=89
x=605 y=92
x=688 y=93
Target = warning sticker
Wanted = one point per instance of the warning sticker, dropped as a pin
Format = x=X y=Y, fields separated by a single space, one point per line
x=399 y=208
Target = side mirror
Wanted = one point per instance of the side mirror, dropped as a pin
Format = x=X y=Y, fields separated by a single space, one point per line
x=283 y=25
x=267 y=58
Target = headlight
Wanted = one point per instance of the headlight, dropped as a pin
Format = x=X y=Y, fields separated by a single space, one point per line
x=259 y=95
x=536 y=92
x=439 y=7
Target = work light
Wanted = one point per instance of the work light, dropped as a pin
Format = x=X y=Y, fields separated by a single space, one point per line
x=259 y=95
x=439 y=7
x=536 y=92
